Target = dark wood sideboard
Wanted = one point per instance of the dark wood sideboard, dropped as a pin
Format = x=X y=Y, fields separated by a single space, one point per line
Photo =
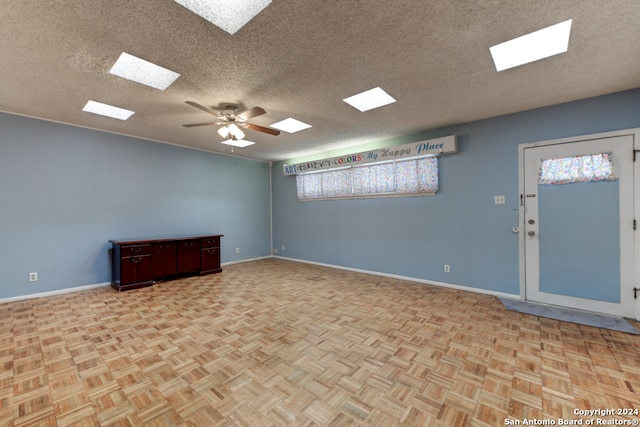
x=140 y=263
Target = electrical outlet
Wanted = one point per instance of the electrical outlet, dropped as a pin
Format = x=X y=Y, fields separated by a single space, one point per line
x=499 y=200
x=447 y=269
x=33 y=277
x=237 y=250
x=282 y=248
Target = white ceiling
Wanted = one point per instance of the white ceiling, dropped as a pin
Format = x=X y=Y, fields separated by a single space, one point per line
x=300 y=58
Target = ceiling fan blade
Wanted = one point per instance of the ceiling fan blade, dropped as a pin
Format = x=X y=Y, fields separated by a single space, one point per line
x=254 y=112
x=200 y=124
x=203 y=108
x=261 y=129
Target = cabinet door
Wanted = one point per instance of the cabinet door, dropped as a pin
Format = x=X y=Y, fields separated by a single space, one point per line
x=164 y=260
x=135 y=269
x=210 y=260
x=189 y=256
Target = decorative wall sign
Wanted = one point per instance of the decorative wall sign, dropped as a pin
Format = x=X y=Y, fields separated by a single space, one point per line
x=446 y=144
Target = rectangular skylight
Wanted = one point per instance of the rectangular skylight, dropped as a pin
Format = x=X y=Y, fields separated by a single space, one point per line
x=531 y=47
x=370 y=99
x=238 y=142
x=140 y=71
x=107 y=110
x=228 y=15
x=291 y=125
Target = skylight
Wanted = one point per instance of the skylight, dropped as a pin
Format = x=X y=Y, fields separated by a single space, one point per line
x=140 y=71
x=107 y=110
x=370 y=99
x=531 y=47
x=228 y=15
x=238 y=142
x=290 y=125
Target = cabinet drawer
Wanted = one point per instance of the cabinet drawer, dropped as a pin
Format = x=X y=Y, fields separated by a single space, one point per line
x=211 y=242
x=135 y=250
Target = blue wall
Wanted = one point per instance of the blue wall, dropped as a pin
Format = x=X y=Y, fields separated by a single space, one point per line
x=460 y=226
x=65 y=191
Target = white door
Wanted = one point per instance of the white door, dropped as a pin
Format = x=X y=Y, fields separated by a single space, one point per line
x=579 y=238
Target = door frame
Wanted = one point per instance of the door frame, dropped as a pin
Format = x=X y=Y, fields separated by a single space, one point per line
x=635 y=134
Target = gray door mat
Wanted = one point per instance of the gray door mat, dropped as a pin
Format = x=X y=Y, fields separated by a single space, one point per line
x=570 y=315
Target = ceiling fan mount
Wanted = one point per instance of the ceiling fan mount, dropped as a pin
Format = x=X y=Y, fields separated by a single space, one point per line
x=229 y=110
x=229 y=117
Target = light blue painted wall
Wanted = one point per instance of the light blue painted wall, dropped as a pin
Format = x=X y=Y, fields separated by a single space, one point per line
x=460 y=226
x=65 y=191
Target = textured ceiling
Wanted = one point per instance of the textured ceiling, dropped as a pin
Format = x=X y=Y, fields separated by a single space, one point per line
x=300 y=59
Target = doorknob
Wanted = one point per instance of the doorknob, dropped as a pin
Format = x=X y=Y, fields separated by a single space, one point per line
x=531 y=233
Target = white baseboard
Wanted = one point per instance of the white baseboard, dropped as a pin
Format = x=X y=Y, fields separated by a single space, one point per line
x=94 y=286
x=246 y=260
x=54 y=293
x=409 y=279
x=339 y=267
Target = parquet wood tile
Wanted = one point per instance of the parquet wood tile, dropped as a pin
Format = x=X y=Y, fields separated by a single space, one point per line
x=279 y=343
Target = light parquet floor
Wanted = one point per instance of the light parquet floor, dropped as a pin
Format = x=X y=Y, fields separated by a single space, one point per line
x=275 y=342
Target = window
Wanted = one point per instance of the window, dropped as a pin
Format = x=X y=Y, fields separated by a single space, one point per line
x=336 y=183
x=566 y=170
x=397 y=178
x=374 y=179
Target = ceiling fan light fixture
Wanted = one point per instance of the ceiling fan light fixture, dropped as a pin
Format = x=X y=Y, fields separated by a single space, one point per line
x=228 y=15
x=532 y=47
x=107 y=110
x=140 y=71
x=223 y=131
x=235 y=131
x=291 y=125
x=231 y=130
x=370 y=99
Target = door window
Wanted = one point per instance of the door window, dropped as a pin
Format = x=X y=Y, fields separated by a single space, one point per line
x=566 y=170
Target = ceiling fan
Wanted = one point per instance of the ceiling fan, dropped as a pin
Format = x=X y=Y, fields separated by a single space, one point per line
x=231 y=121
